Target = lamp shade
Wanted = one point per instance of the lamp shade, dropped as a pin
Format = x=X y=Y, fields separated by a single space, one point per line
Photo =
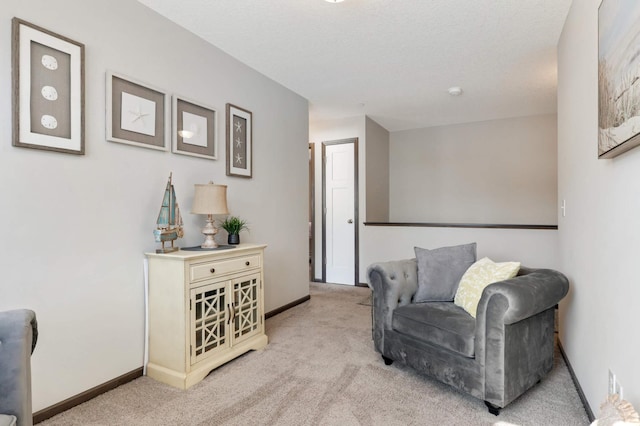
x=210 y=199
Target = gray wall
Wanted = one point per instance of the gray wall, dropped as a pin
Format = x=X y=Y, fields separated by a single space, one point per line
x=533 y=248
x=501 y=171
x=325 y=131
x=77 y=227
x=600 y=235
x=377 y=172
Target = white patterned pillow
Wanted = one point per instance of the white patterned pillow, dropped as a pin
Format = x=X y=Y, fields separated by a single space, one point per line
x=478 y=276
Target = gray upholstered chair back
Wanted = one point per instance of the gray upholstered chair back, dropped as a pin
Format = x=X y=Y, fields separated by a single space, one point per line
x=18 y=336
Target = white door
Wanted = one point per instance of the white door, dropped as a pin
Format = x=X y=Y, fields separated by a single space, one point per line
x=340 y=221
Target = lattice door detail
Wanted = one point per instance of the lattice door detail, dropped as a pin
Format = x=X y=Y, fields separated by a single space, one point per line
x=247 y=320
x=208 y=320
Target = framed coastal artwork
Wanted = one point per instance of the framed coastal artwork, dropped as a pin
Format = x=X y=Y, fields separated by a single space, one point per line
x=239 y=142
x=618 y=77
x=194 y=129
x=137 y=113
x=48 y=90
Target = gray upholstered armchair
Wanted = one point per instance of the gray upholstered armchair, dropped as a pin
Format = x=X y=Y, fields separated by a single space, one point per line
x=495 y=357
x=18 y=336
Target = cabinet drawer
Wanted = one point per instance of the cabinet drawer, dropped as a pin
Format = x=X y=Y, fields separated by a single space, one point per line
x=203 y=271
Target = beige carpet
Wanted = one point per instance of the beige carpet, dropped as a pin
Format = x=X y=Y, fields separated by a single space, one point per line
x=320 y=368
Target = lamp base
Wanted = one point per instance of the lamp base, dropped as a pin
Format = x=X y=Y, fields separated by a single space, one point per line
x=209 y=242
x=209 y=232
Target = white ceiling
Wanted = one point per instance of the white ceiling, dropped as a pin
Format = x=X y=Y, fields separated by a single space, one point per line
x=392 y=60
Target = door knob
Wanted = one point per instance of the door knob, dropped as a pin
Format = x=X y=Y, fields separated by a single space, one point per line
x=350 y=221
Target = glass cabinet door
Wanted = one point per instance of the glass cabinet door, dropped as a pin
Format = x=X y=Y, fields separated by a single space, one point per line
x=246 y=314
x=209 y=320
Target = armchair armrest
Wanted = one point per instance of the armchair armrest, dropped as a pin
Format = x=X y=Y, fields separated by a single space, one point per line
x=514 y=331
x=393 y=284
x=18 y=335
x=18 y=323
x=526 y=295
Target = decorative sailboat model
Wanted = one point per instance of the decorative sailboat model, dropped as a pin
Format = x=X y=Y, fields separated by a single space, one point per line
x=169 y=220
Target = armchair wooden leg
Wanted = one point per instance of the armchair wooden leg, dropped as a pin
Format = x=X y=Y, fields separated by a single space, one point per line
x=387 y=361
x=493 y=409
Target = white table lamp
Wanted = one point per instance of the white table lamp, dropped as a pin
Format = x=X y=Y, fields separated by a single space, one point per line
x=209 y=199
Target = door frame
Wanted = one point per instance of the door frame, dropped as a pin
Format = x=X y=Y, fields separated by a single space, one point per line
x=354 y=141
x=312 y=211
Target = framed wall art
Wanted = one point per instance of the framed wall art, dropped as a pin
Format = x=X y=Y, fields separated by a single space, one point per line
x=239 y=141
x=194 y=129
x=48 y=90
x=137 y=113
x=618 y=79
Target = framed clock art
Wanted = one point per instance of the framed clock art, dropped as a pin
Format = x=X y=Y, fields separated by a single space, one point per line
x=137 y=113
x=48 y=90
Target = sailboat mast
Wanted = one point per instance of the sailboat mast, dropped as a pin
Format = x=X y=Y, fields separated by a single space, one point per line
x=171 y=201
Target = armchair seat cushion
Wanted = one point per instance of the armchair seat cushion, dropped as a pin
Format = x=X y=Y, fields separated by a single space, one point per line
x=442 y=324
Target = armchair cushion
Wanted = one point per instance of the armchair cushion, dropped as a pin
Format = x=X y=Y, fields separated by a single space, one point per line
x=440 y=270
x=441 y=324
x=478 y=276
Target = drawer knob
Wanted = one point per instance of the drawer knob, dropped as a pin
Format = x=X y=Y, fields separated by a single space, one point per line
x=247 y=263
x=212 y=270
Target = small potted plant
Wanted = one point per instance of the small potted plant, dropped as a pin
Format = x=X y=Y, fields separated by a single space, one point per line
x=233 y=225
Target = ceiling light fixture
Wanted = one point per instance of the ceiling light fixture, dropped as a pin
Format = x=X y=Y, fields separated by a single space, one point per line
x=334 y=1
x=455 y=91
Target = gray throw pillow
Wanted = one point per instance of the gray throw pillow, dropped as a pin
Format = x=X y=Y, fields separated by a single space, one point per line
x=440 y=271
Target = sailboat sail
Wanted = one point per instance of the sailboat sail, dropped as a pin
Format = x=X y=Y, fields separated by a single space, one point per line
x=165 y=213
x=173 y=205
x=169 y=223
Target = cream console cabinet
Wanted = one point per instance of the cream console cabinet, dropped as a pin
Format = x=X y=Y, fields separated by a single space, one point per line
x=204 y=309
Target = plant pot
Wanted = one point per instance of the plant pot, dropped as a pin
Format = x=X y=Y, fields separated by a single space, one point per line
x=234 y=239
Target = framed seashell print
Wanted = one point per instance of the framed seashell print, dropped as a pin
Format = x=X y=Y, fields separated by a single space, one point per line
x=138 y=114
x=195 y=129
x=48 y=89
x=239 y=142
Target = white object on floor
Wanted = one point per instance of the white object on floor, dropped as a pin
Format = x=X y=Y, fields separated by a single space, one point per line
x=616 y=412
